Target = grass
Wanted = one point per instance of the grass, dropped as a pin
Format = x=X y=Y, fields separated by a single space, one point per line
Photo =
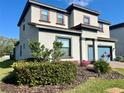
x=96 y=86
x=5 y=68
x=120 y=70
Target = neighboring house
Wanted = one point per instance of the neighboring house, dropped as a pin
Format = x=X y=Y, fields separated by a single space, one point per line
x=83 y=35
x=117 y=31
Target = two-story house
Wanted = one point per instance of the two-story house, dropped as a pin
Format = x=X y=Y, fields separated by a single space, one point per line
x=83 y=35
x=117 y=31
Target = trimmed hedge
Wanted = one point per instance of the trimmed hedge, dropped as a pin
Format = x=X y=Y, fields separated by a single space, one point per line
x=102 y=66
x=35 y=73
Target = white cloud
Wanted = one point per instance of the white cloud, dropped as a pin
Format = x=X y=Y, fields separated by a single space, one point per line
x=79 y=2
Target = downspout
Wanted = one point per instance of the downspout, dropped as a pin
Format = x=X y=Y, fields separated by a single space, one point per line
x=80 y=42
x=94 y=54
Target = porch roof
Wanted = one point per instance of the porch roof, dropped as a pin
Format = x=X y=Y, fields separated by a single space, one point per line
x=107 y=39
x=80 y=26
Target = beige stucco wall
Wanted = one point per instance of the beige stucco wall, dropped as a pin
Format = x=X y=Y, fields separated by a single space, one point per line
x=95 y=34
x=89 y=34
x=30 y=33
x=23 y=34
x=78 y=18
x=75 y=18
x=36 y=15
x=105 y=33
x=119 y=35
x=47 y=39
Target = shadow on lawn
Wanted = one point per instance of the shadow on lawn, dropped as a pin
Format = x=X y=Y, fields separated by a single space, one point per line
x=10 y=79
x=6 y=63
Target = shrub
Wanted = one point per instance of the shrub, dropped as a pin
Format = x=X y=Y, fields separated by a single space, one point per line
x=33 y=73
x=57 y=53
x=39 y=52
x=102 y=66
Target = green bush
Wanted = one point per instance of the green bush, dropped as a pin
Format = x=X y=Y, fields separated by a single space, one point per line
x=101 y=66
x=38 y=52
x=57 y=53
x=35 y=73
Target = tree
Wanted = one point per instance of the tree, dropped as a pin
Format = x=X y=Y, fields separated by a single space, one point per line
x=39 y=52
x=6 y=46
x=57 y=53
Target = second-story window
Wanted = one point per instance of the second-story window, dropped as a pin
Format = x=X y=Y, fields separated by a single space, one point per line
x=101 y=27
x=60 y=18
x=86 y=20
x=44 y=15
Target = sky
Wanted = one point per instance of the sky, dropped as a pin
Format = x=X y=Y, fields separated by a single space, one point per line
x=10 y=12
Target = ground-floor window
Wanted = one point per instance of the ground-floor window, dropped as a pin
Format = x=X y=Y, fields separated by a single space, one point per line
x=105 y=53
x=66 y=48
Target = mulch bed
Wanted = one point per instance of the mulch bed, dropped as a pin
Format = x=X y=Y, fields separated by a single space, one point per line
x=83 y=75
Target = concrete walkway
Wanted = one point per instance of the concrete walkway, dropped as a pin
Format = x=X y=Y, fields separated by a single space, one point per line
x=114 y=64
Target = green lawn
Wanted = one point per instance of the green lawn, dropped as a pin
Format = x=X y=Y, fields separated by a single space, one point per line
x=97 y=86
x=5 y=68
x=120 y=70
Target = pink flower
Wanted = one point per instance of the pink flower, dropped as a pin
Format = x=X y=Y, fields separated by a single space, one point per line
x=85 y=63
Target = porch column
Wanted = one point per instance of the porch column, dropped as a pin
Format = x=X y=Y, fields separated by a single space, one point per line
x=113 y=52
x=95 y=50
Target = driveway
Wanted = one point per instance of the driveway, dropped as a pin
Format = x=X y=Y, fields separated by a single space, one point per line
x=114 y=64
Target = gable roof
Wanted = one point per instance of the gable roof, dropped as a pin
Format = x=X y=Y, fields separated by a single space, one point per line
x=75 y=6
x=116 y=26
